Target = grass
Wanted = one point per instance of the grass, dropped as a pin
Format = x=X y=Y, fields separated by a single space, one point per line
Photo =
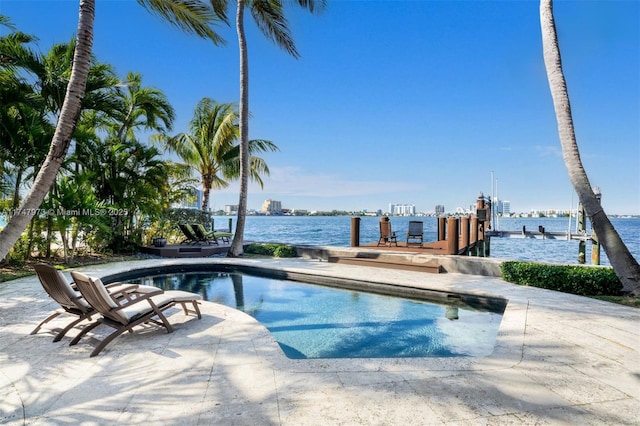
x=634 y=302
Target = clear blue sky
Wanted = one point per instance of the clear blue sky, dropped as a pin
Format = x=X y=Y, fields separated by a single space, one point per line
x=405 y=102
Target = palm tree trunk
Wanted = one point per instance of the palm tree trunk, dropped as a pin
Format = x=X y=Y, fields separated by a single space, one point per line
x=67 y=121
x=624 y=265
x=16 y=189
x=237 y=248
x=207 y=183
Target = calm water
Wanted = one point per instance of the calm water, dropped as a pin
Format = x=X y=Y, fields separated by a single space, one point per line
x=313 y=321
x=336 y=231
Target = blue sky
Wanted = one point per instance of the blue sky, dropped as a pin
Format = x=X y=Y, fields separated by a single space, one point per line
x=404 y=102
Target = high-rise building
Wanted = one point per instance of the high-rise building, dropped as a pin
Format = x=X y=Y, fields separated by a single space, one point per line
x=402 y=209
x=231 y=208
x=271 y=207
x=439 y=210
x=506 y=208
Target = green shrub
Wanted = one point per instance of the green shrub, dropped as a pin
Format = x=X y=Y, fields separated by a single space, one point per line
x=285 y=251
x=275 y=250
x=575 y=279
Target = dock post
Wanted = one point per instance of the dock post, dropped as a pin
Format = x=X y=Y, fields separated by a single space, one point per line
x=473 y=239
x=355 y=232
x=595 y=247
x=230 y=224
x=487 y=246
x=442 y=227
x=582 y=249
x=464 y=234
x=452 y=235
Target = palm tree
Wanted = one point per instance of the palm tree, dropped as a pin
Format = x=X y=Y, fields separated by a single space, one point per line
x=210 y=148
x=190 y=15
x=144 y=107
x=64 y=130
x=269 y=17
x=624 y=265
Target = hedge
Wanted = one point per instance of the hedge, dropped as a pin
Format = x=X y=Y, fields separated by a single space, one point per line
x=275 y=250
x=574 y=279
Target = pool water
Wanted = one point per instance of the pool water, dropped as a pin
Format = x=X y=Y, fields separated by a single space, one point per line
x=315 y=321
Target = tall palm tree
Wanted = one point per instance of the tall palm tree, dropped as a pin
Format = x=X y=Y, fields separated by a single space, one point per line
x=269 y=17
x=624 y=265
x=64 y=130
x=211 y=150
x=192 y=16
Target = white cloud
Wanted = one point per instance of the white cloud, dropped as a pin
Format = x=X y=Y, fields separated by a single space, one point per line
x=294 y=181
x=549 y=150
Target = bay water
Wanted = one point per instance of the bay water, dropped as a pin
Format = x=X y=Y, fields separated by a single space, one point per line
x=336 y=231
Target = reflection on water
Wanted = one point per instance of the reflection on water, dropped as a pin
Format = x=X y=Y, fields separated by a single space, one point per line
x=311 y=321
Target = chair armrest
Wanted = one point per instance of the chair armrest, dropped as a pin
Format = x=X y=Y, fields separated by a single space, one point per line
x=127 y=300
x=132 y=291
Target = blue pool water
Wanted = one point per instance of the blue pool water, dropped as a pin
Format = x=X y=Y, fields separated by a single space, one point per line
x=313 y=321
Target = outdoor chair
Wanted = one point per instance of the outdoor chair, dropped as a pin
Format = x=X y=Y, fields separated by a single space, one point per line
x=190 y=236
x=69 y=298
x=126 y=313
x=210 y=237
x=387 y=236
x=415 y=232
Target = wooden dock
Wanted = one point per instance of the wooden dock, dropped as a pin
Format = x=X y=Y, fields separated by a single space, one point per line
x=539 y=235
x=186 y=250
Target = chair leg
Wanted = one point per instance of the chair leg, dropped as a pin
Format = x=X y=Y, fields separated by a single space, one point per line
x=46 y=320
x=195 y=310
x=69 y=327
x=129 y=327
x=84 y=331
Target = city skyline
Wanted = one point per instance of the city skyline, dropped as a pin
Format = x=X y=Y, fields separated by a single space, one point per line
x=504 y=208
x=401 y=100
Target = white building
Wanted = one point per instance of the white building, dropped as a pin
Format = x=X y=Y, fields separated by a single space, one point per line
x=271 y=207
x=506 y=208
x=402 y=209
x=231 y=209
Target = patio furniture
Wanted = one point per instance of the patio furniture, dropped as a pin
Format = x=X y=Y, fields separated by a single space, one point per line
x=415 y=232
x=69 y=298
x=190 y=236
x=210 y=237
x=387 y=236
x=126 y=313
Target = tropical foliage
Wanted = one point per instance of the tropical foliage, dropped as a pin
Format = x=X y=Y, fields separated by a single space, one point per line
x=211 y=148
x=113 y=191
x=192 y=16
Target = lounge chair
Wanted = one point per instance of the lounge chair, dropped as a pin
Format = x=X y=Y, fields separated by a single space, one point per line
x=415 y=232
x=210 y=236
x=190 y=236
x=70 y=300
x=126 y=313
x=203 y=235
x=387 y=236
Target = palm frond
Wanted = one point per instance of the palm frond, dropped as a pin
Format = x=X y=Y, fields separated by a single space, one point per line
x=269 y=17
x=191 y=16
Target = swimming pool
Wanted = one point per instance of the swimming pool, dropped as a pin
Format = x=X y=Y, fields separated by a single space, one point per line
x=317 y=321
